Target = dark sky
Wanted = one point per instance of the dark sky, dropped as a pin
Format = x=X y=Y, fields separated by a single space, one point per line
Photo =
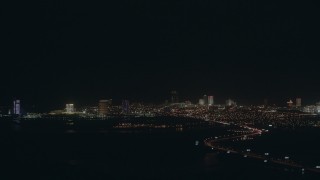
x=55 y=52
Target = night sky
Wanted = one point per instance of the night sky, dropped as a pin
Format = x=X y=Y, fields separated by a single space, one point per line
x=54 y=52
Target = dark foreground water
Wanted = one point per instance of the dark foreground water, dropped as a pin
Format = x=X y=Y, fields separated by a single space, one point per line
x=64 y=153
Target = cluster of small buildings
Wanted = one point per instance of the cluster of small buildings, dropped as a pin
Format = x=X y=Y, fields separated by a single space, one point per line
x=207 y=100
x=14 y=110
x=103 y=108
x=296 y=105
x=312 y=109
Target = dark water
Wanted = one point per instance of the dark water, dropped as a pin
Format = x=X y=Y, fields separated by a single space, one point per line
x=55 y=151
x=301 y=145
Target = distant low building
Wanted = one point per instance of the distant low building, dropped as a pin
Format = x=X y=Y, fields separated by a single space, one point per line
x=32 y=115
x=230 y=102
x=290 y=103
x=57 y=112
x=188 y=103
x=89 y=110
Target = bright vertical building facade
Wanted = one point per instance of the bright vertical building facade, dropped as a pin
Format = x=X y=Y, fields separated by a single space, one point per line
x=70 y=108
x=103 y=107
x=210 y=100
x=201 y=102
x=16 y=107
x=298 y=102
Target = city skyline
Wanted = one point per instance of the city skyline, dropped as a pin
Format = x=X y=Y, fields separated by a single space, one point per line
x=101 y=107
x=32 y=106
x=188 y=89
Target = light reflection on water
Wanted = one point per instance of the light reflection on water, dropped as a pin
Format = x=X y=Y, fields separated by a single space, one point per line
x=210 y=159
x=70 y=131
x=16 y=127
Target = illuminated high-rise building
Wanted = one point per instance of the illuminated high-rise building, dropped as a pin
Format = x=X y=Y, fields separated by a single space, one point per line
x=70 y=108
x=16 y=107
x=298 y=102
x=201 y=102
x=103 y=107
x=210 y=100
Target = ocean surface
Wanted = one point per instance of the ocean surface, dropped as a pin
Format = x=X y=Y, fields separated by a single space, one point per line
x=56 y=150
